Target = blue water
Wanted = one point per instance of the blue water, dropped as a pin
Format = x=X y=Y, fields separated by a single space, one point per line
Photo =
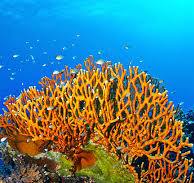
x=159 y=36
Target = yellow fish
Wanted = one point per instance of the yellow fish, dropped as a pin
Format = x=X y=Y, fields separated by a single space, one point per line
x=59 y=57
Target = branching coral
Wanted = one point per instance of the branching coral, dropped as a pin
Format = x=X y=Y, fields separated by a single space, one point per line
x=118 y=109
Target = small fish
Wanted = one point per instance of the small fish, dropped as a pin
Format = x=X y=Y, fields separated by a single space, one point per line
x=181 y=103
x=3 y=139
x=59 y=57
x=45 y=53
x=50 y=126
x=141 y=61
x=3 y=110
x=31 y=47
x=112 y=78
x=50 y=108
x=55 y=72
x=73 y=71
x=74 y=57
x=5 y=98
x=173 y=92
x=32 y=57
x=28 y=140
x=72 y=44
x=78 y=35
x=64 y=48
x=44 y=65
x=126 y=46
x=83 y=134
x=100 y=62
x=13 y=73
x=16 y=55
x=161 y=81
x=1 y=66
x=109 y=62
x=99 y=52
x=119 y=148
x=11 y=78
x=62 y=84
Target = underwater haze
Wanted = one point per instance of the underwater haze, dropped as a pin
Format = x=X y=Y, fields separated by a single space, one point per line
x=39 y=37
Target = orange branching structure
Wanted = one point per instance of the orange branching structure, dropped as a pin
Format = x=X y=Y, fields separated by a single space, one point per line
x=108 y=105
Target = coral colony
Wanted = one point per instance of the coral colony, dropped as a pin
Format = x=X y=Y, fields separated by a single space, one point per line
x=120 y=110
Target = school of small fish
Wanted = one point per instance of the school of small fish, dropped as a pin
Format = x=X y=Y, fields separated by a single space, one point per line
x=20 y=59
x=57 y=59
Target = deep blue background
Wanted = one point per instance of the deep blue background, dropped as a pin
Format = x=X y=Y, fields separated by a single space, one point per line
x=159 y=33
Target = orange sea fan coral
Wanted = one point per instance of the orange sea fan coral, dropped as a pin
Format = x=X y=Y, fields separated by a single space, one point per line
x=119 y=109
